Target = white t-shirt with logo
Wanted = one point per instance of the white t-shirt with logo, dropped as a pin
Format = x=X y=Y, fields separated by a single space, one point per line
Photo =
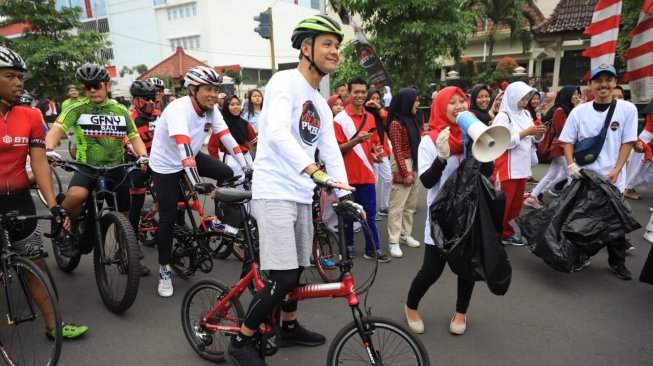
x=584 y=122
x=294 y=122
x=181 y=118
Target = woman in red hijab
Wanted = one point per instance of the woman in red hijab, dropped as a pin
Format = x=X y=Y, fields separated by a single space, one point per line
x=439 y=155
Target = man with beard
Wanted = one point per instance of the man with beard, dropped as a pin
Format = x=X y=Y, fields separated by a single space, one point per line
x=587 y=120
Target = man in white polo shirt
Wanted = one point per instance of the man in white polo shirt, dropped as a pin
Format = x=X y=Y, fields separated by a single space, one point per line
x=586 y=121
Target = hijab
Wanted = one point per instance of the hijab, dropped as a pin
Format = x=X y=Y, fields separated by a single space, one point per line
x=510 y=104
x=401 y=106
x=439 y=121
x=237 y=125
x=481 y=114
x=530 y=108
x=332 y=100
x=387 y=96
x=563 y=100
x=380 y=128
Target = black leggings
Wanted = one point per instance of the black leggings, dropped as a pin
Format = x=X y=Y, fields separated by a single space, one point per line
x=430 y=272
x=278 y=285
x=169 y=194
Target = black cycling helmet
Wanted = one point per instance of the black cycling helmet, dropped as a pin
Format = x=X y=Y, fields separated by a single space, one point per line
x=142 y=88
x=314 y=25
x=311 y=27
x=92 y=73
x=9 y=58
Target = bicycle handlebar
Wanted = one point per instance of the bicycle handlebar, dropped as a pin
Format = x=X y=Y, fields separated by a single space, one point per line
x=72 y=165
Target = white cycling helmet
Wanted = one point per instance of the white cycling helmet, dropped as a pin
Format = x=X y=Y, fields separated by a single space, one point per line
x=157 y=82
x=202 y=75
x=9 y=58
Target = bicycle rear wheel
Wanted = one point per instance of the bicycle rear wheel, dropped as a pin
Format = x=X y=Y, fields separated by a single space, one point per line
x=33 y=309
x=117 y=274
x=326 y=253
x=198 y=302
x=393 y=344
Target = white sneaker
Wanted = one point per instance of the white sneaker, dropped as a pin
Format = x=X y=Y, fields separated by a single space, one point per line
x=648 y=236
x=165 y=284
x=395 y=251
x=409 y=241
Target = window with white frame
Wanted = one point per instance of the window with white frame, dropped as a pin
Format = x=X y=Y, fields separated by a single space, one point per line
x=187 y=43
x=182 y=11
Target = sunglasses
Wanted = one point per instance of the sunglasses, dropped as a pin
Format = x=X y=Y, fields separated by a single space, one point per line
x=90 y=86
x=149 y=99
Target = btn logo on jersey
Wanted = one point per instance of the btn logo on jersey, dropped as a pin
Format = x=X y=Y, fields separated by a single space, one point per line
x=309 y=123
x=7 y=139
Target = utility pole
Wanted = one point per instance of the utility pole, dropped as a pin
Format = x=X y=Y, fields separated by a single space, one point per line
x=266 y=30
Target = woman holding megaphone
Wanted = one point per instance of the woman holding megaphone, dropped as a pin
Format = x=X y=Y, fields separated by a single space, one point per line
x=440 y=154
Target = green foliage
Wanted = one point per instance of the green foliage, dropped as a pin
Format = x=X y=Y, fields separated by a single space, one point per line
x=515 y=14
x=348 y=67
x=466 y=66
x=410 y=36
x=125 y=71
x=51 y=48
x=140 y=69
x=629 y=15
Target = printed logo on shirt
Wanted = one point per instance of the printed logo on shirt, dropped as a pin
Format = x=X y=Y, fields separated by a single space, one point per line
x=207 y=126
x=7 y=139
x=103 y=126
x=614 y=125
x=309 y=123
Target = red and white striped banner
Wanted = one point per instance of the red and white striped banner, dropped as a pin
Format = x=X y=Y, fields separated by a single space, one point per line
x=604 y=31
x=639 y=56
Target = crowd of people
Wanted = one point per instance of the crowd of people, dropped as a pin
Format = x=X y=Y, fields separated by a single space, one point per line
x=366 y=137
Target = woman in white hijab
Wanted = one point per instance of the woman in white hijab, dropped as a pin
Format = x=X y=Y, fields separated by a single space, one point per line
x=387 y=96
x=513 y=168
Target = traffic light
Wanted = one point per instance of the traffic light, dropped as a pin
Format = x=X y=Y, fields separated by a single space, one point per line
x=263 y=28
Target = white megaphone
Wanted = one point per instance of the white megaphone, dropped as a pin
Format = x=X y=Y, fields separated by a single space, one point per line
x=489 y=142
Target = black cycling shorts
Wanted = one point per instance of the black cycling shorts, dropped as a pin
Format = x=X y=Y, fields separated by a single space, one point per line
x=117 y=176
x=26 y=238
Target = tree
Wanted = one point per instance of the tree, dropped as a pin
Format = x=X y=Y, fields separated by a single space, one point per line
x=629 y=15
x=126 y=70
x=140 y=69
x=236 y=76
x=53 y=45
x=411 y=36
x=348 y=67
x=515 y=14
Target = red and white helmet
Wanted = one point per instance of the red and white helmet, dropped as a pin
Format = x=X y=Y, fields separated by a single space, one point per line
x=202 y=75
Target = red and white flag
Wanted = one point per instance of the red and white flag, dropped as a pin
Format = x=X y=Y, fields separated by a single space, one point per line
x=639 y=56
x=604 y=31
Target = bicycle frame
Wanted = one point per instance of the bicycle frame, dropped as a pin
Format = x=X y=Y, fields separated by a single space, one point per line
x=345 y=289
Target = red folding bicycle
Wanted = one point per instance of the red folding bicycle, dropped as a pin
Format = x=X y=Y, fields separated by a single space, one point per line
x=212 y=312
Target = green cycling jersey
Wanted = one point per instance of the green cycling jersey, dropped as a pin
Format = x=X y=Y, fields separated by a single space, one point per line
x=100 y=129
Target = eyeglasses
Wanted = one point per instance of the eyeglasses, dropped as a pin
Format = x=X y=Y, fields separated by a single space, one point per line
x=90 y=86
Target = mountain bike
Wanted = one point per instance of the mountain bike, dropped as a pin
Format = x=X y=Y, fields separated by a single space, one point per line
x=211 y=311
x=107 y=233
x=30 y=304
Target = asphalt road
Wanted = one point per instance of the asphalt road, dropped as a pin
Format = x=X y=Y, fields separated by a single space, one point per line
x=546 y=318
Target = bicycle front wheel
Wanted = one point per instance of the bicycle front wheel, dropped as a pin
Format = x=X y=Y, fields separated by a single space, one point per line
x=198 y=302
x=117 y=273
x=326 y=253
x=392 y=343
x=30 y=310
x=56 y=185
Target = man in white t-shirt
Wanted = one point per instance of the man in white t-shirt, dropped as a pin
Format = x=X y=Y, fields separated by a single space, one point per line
x=295 y=121
x=586 y=121
x=176 y=152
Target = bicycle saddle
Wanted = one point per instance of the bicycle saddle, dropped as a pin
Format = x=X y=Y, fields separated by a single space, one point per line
x=233 y=195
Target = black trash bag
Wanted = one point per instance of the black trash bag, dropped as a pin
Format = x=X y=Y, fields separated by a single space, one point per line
x=585 y=218
x=647 y=271
x=466 y=222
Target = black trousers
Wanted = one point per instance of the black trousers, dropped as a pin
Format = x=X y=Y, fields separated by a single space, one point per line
x=431 y=270
x=169 y=194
